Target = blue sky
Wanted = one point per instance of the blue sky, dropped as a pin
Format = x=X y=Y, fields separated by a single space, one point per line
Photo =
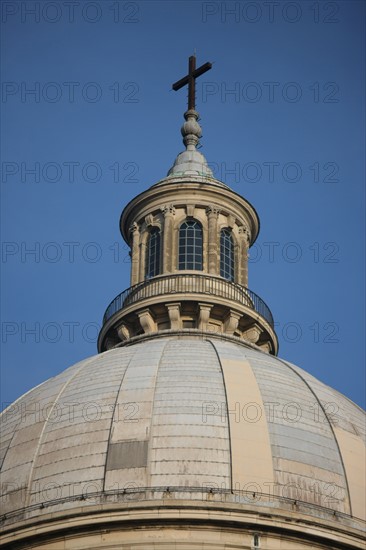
x=283 y=124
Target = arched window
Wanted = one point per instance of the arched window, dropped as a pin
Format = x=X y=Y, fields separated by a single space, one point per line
x=190 y=245
x=226 y=255
x=152 y=265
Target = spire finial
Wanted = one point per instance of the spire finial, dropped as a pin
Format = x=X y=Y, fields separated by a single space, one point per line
x=191 y=161
x=190 y=79
x=191 y=130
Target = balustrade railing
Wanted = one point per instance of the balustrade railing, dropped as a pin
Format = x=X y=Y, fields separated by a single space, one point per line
x=184 y=283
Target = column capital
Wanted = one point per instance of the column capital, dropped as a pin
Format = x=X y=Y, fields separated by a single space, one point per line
x=168 y=209
x=245 y=233
x=133 y=227
x=213 y=211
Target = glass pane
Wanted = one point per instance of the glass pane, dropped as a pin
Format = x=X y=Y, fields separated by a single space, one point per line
x=190 y=245
x=152 y=260
x=226 y=255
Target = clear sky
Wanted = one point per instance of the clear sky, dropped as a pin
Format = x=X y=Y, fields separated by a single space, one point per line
x=283 y=122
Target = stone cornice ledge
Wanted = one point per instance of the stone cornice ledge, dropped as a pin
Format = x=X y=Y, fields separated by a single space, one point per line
x=176 y=512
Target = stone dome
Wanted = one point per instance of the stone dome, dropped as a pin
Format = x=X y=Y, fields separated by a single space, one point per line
x=181 y=424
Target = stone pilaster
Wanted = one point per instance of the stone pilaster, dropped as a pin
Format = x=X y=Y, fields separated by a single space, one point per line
x=168 y=211
x=244 y=240
x=213 y=255
x=135 y=253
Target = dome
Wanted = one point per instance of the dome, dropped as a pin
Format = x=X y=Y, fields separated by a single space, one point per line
x=176 y=418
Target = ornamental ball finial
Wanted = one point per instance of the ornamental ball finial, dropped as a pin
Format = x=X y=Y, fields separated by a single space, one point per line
x=191 y=130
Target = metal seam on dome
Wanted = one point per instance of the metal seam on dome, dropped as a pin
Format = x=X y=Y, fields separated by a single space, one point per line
x=330 y=425
x=36 y=454
x=228 y=419
x=112 y=416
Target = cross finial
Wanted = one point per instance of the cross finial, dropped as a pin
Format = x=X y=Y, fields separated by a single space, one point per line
x=190 y=79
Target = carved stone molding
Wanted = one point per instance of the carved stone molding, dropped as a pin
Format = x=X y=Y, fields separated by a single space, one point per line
x=149 y=220
x=204 y=315
x=231 y=221
x=232 y=322
x=123 y=332
x=253 y=333
x=190 y=208
x=266 y=346
x=146 y=321
x=174 y=315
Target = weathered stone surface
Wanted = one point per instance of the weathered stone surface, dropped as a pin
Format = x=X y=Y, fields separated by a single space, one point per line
x=200 y=415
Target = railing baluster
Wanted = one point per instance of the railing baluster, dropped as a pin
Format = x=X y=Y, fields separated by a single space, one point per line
x=181 y=283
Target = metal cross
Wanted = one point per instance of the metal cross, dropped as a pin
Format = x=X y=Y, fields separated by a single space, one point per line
x=190 y=79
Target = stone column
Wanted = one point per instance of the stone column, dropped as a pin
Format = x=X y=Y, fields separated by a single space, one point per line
x=213 y=254
x=135 y=253
x=168 y=211
x=244 y=240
